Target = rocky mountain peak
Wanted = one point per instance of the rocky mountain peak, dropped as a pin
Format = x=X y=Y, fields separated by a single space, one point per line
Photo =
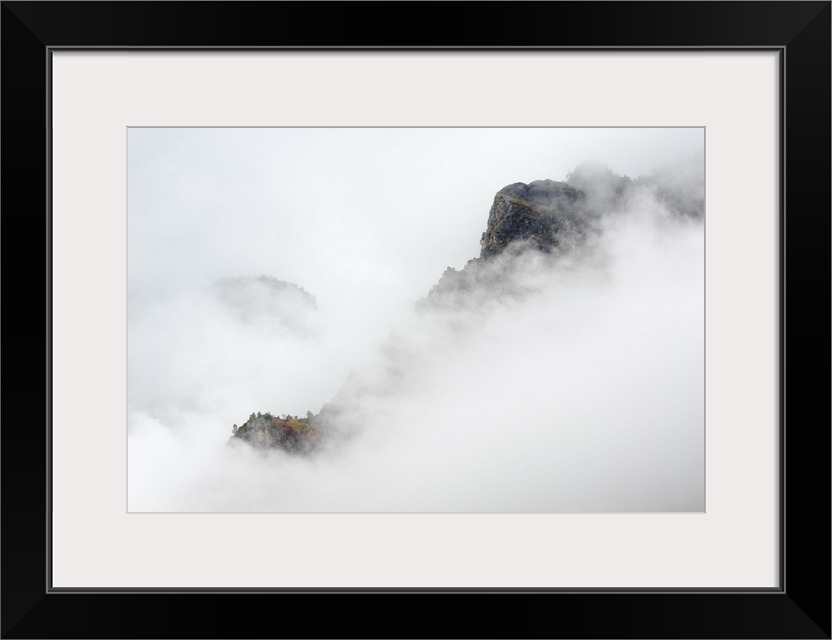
x=540 y=214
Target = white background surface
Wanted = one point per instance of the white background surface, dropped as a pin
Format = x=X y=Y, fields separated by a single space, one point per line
x=97 y=95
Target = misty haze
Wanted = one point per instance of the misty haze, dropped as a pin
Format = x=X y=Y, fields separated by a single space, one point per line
x=416 y=320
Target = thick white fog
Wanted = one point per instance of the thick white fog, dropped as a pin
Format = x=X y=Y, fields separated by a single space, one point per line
x=581 y=391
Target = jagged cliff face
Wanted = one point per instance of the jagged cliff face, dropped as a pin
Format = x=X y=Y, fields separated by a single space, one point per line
x=544 y=218
x=542 y=215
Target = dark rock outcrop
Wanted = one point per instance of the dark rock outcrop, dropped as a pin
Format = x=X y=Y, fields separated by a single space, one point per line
x=545 y=216
x=541 y=215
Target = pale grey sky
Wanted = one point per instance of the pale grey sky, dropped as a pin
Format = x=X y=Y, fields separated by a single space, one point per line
x=344 y=212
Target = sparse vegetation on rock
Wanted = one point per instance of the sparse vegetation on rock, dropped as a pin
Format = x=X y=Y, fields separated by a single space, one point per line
x=267 y=432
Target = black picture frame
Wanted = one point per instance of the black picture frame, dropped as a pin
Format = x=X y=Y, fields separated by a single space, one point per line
x=799 y=608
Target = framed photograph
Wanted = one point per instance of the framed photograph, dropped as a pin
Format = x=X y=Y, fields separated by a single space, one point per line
x=522 y=316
